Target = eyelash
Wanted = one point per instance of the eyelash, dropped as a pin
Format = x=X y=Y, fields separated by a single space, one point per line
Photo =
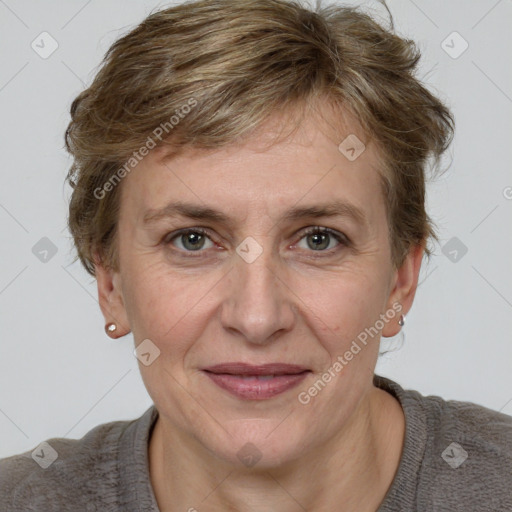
x=340 y=237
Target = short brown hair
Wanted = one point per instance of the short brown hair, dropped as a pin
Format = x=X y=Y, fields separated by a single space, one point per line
x=240 y=62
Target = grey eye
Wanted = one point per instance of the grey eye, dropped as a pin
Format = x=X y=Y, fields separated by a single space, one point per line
x=191 y=240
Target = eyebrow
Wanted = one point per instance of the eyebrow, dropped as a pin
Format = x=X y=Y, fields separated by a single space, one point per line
x=193 y=211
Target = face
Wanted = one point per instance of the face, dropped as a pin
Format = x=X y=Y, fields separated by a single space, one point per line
x=256 y=284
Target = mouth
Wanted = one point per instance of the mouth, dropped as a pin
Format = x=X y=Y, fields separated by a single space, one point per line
x=261 y=382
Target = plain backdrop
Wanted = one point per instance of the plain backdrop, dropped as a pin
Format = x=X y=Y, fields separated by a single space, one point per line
x=60 y=375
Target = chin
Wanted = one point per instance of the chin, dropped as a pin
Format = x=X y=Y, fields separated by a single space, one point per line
x=259 y=445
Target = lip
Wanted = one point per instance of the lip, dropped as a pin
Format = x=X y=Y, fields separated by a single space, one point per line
x=238 y=368
x=245 y=381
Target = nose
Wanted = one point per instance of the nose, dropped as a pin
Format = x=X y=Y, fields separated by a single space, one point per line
x=258 y=304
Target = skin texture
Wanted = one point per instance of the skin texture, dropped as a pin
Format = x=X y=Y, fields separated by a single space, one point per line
x=292 y=304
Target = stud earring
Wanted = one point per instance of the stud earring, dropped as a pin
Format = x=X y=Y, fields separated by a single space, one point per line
x=401 y=321
x=110 y=328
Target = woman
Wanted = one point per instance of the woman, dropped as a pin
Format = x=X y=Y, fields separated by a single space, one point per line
x=249 y=193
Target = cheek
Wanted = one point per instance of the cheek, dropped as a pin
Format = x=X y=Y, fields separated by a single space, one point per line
x=340 y=307
x=166 y=306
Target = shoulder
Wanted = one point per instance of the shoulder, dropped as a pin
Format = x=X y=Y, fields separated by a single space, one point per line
x=486 y=432
x=456 y=456
x=467 y=464
x=477 y=419
x=49 y=476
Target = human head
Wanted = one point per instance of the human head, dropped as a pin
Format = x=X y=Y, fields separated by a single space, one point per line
x=254 y=98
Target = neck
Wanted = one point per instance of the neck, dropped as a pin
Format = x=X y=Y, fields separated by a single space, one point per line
x=352 y=471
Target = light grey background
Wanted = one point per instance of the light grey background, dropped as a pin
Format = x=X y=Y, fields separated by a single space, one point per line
x=60 y=375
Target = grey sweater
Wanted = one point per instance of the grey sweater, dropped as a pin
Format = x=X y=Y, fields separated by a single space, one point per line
x=457 y=456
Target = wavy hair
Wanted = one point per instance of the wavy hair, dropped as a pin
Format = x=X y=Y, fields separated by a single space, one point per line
x=242 y=61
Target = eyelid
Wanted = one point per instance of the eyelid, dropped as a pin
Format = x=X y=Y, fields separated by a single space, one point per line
x=339 y=236
x=321 y=229
x=169 y=237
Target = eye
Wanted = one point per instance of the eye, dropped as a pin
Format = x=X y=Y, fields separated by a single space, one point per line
x=319 y=239
x=191 y=240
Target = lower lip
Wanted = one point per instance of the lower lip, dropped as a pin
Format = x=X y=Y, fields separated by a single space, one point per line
x=253 y=389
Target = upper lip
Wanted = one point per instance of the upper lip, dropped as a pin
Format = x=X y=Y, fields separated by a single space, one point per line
x=238 y=368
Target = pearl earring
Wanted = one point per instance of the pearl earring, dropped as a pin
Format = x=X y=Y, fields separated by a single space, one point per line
x=401 y=321
x=110 y=328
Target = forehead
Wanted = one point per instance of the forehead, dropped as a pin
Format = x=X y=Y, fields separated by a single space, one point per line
x=308 y=167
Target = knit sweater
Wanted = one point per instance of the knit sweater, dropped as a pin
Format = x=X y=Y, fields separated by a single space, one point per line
x=457 y=456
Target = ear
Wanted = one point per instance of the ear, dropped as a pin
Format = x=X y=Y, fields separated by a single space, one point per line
x=111 y=299
x=404 y=285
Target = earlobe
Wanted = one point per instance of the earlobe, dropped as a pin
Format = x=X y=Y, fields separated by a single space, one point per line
x=404 y=290
x=111 y=301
